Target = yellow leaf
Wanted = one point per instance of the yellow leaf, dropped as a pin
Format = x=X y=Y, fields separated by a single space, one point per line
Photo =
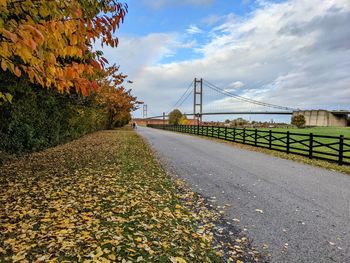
x=138 y=239
x=177 y=260
x=112 y=257
x=3 y=65
x=99 y=253
x=19 y=257
x=8 y=97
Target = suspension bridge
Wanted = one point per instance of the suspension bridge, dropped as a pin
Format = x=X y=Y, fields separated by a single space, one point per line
x=202 y=98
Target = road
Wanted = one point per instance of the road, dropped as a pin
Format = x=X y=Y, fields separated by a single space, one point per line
x=301 y=212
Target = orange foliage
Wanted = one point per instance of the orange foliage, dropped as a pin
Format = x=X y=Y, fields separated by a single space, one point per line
x=50 y=41
x=117 y=101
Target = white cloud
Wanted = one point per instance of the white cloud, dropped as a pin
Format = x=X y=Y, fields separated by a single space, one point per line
x=212 y=20
x=237 y=84
x=135 y=53
x=295 y=53
x=190 y=44
x=193 y=29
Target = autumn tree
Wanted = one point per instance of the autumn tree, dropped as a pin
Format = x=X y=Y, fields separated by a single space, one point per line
x=184 y=120
x=60 y=87
x=238 y=122
x=174 y=117
x=50 y=41
x=117 y=101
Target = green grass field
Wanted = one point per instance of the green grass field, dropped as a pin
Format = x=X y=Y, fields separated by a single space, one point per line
x=299 y=139
x=300 y=143
x=329 y=131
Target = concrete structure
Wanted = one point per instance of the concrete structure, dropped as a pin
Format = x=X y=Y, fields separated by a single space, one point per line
x=324 y=117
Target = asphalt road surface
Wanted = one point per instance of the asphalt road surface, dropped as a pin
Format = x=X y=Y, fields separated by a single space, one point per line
x=301 y=212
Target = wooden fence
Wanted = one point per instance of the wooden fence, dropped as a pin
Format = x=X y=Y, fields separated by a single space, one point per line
x=329 y=148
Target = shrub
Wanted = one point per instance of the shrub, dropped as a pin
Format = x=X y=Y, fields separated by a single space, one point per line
x=174 y=117
x=298 y=120
x=184 y=120
x=38 y=118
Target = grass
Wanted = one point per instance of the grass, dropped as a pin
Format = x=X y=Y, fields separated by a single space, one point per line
x=299 y=140
x=329 y=131
x=315 y=162
x=103 y=198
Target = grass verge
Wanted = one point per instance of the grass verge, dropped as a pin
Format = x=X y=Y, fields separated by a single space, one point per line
x=104 y=198
x=301 y=159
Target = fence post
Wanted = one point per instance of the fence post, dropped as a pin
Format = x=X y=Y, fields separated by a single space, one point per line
x=311 y=138
x=219 y=131
x=341 y=149
x=198 y=129
x=225 y=133
x=270 y=139
x=256 y=137
x=212 y=131
x=288 y=141
x=243 y=135
x=234 y=134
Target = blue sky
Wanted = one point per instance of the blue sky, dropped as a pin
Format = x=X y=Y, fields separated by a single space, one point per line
x=291 y=53
x=145 y=17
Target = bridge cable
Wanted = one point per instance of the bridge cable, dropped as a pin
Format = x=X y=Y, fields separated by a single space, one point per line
x=183 y=98
x=238 y=97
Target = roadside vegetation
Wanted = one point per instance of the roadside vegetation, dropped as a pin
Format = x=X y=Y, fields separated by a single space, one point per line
x=104 y=198
x=54 y=86
x=176 y=117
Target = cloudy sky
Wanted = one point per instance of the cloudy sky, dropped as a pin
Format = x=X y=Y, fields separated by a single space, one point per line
x=292 y=53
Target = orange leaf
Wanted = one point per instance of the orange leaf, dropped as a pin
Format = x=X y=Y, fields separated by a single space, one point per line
x=18 y=72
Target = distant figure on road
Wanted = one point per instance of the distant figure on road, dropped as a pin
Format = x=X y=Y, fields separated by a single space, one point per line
x=134 y=125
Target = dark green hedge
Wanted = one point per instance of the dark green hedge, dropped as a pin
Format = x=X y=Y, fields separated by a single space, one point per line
x=38 y=118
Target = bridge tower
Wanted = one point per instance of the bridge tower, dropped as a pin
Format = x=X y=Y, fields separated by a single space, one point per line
x=144 y=111
x=198 y=99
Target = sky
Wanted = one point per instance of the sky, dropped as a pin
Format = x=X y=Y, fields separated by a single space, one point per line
x=290 y=52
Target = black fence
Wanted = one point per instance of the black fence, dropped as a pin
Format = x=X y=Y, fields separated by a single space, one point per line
x=329 y=148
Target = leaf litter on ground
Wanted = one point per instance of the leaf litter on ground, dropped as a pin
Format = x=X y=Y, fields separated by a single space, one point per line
x=105 y=198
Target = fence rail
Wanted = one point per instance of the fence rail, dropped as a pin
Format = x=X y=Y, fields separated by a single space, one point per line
x=313 y=146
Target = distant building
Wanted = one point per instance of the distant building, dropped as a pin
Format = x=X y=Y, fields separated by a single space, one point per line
x=144 y=122
x=324 y=117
